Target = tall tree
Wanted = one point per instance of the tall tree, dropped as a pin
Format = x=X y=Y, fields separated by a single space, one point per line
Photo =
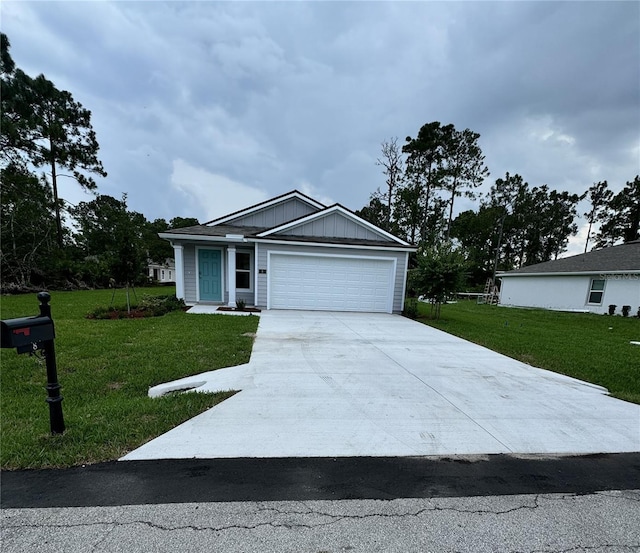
x=158 y=250
x=408 y=211
x=112 y=235
x=477 y=234
x=63 y=137
x=599 y=197
x=393 y=168
x=548 y=217
x=424 y=166
x=16 y=118
x=505 y=195
x=376 y=212
x=45 y=127
x=27 y=225
x=464 y=168
x=621 y=217
x=181 y=222
x=560 y=216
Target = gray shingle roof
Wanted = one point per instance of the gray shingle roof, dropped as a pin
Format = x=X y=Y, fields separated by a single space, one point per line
x=251 y=232
x=217 y=230
x=625 y=257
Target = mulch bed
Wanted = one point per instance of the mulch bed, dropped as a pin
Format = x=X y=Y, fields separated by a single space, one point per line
x=245 y=310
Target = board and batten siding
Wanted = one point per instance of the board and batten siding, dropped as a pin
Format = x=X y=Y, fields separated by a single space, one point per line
x=190 y=274
x=334 y=225
x=401 y=263
x=275 y=215
x=570 y=292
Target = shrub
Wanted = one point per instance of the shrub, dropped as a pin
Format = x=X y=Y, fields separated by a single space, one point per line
x=625 y=310
x=411 y=308
x=160 y=305
x=240 y=305
x=112 y=312
x=612 y=309
x=440 y=273
x=149 y=306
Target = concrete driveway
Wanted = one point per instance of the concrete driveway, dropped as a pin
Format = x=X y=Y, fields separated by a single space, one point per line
x=349 y=384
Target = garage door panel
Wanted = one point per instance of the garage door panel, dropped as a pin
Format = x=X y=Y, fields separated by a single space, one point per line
x=330 y=283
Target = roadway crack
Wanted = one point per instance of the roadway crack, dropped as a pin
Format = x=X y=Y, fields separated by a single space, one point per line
x=328 y=519
x=617 y=547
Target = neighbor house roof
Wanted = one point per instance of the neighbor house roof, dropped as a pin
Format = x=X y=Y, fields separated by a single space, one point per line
x=614 y=259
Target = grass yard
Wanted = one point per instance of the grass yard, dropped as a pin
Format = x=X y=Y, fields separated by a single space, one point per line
x=590 y=347
x=105 y=368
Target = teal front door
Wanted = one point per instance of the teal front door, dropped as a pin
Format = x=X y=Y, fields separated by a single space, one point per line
x=210 y=275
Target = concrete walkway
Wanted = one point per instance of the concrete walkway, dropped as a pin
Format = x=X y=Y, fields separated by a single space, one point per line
x=347 y=384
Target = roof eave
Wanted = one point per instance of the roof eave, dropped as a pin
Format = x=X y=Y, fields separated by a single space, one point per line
x=201 y=237
x=391 y=247
x=574 y=273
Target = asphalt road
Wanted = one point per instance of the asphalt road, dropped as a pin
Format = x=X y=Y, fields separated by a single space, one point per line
x=600 y=522
x=312 y=479
x=328 y=505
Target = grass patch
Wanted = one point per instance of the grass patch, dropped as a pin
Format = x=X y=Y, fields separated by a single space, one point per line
x=105 y=368
x=590 y=347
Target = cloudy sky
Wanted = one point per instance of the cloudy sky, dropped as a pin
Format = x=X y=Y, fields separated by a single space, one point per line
x=201 y=108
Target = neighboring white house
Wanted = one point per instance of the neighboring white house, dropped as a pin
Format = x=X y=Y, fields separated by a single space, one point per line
x=291 y=252
x=162 y=272
x=587 y=282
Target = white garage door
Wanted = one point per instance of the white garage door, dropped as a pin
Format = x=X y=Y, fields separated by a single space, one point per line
x=330 y=283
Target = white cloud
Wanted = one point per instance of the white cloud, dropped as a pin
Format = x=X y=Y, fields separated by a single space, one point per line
x=212 y=195
x=255 y=99
x=577 y=242
x=307 y=188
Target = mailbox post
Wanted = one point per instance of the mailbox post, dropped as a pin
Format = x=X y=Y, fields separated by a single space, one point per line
x=29 y=334
x=54 y=399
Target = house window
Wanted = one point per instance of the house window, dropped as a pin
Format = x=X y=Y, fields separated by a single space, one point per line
x=169 y=275
x=162 y=273
x=596 y=291
x=243 y=270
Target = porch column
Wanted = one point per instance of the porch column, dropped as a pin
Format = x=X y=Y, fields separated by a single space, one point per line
x=178 y=250
x=231 y=276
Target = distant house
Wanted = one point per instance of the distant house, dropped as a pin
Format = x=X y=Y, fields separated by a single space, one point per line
x=162 y=272
x=587 y=282
x=291 y=252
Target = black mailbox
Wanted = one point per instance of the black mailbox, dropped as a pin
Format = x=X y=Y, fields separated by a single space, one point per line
x=22 y=333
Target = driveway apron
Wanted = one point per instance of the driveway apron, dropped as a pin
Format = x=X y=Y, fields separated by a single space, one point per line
x=326 y=384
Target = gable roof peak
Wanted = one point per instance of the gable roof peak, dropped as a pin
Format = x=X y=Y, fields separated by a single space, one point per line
x=267 y=203
x=335 y=208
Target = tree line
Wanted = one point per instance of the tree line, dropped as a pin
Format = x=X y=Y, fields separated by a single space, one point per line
x=514 y=224
x=45 y=241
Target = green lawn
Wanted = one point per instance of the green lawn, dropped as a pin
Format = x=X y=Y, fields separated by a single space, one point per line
x=105 y=368
x=590 y=347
